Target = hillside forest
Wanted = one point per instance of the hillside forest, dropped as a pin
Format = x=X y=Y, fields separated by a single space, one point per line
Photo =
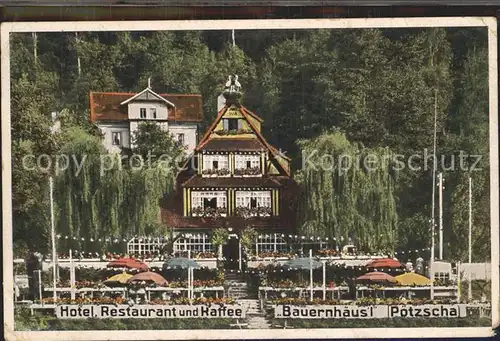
x=351 y=92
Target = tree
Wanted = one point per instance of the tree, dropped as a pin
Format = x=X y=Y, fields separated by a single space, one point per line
x=347 y=197
x=150 y=141
x=469 y=128
x=99 y=198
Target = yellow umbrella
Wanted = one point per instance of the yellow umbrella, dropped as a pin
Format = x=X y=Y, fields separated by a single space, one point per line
x=118 y=279
x=411 y=278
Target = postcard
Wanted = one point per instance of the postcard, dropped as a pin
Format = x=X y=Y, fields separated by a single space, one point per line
x=290 y=178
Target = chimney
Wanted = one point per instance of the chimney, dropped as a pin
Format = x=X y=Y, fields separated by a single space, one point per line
x=221 y=102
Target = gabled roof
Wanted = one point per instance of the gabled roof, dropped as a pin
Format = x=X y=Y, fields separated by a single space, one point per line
x=148 y=90
x=245 y=112
x=106 y=106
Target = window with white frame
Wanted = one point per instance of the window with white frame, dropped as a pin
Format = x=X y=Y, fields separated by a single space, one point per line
x=271 y=243
x=246 y=161
x=142 y=112
x=315 y=245
x=215 y=161
x=442 y=276
x=206 y=199
x=141 y=246
x=153 y=112
x=116 y=138
x=195 y=243
x=180 y=138
x=252 y=199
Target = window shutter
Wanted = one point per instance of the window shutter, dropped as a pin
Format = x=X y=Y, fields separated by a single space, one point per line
x=240 y=124
x=226 y=124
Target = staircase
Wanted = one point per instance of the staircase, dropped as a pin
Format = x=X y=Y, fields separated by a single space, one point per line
x=255 y=317
x=237 y=288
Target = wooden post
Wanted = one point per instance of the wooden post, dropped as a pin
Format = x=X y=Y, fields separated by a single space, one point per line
x=311 y=273
x=324 y=280
x=53 y=235
x=239 y=253
x=40 y=284
x=440 y=181
x=470 y=241
x=257 y=247
x=189 y=277
x=72 y=274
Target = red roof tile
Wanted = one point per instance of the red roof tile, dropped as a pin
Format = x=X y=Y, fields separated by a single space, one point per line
x=105 y=106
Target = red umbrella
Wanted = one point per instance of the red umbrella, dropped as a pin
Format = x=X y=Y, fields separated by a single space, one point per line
x=128 y=263
x=377 y=277
x=148 y=276
x=384 y=263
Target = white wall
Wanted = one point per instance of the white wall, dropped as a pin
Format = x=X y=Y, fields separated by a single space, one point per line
x=134 y=111
x=189 y=131
x=476 y=271
x=108 y=128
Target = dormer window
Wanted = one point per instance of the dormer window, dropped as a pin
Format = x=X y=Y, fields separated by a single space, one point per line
x=153 y=112
x=143 y=113
x=231 y=124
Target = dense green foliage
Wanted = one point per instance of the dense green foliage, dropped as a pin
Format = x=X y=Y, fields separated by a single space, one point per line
x=347 y=199
x=375 y=90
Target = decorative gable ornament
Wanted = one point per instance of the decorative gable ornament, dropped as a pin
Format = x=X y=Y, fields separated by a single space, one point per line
x=232 y=90
x=148 y=95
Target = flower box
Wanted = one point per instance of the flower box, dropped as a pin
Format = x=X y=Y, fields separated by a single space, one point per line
x=248 y=172
x=214 y=173
x=224 y=132
x=247 y=212
x=209 y=212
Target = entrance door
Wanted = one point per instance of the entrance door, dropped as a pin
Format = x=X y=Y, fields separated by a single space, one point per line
x=230 y=251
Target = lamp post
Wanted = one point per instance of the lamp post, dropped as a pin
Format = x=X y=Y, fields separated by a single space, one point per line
x=53 y=235
x=470 y=240
x=311 y=272
x=433 y=219
x=440 y=182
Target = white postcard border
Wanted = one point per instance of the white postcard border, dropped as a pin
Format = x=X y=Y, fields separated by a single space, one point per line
x=249 y=24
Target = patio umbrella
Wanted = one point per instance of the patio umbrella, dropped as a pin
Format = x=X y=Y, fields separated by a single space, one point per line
x=302 y=264
x=384 y=263
x=148 y=276
x=411 y=278
x=180 y=263
x=183 y=263
x=118 y=279
x=306 y=264
x=378 y=277
x=128 y=263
